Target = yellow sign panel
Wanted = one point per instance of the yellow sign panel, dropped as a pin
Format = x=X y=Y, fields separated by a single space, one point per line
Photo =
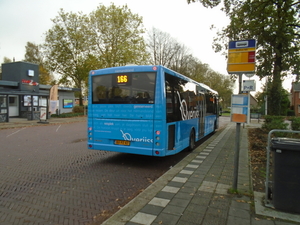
x=242 y=50
x=249 y=67
x=238 y=57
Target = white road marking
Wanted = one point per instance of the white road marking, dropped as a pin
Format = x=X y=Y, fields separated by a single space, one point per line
x=16 y=132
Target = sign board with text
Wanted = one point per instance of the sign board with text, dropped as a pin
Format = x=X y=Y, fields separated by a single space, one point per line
x=43 y=113
x=241 y=57
x=240 y=107
x=249 y=85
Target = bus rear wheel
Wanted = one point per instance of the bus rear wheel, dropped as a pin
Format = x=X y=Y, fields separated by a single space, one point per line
x=192 y=143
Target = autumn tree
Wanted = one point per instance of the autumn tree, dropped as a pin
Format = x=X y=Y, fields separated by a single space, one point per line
x=221 y=83
x=33 y=54
x=116 y=36
x=275 y=24
x=7 y=60
x=77 y=43
x=66 y=48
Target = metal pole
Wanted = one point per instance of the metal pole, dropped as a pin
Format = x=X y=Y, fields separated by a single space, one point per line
x=266 y=97
x=236 y=156
x=237 y=145
x=31 y=98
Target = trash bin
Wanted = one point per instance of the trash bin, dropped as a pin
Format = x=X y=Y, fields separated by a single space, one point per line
x=286 y=174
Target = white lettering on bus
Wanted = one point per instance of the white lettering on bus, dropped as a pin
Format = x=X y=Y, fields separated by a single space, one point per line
x=143 y=106
x=128 y=137
x=109 y=124
x=185 y=113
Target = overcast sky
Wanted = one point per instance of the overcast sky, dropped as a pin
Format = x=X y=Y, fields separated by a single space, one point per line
x=22 y=21
x=27 y=21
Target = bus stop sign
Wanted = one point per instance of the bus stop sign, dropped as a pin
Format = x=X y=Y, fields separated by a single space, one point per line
x=241 y=57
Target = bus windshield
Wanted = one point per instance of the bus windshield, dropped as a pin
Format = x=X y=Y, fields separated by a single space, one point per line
x=124 y=88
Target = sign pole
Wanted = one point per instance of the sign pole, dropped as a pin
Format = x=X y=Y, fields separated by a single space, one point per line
x=236 y=156
x=241 y=59
x=237 y=145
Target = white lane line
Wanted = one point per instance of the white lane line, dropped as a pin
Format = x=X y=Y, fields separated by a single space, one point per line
x=16 y=132
x=58 y=128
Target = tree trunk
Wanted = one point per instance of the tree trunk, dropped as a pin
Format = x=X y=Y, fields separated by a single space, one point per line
x=275 y=92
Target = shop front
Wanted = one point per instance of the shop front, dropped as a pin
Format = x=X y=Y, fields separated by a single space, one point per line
x=22 y=96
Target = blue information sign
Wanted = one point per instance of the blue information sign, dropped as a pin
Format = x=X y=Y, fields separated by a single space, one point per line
x=242 y=44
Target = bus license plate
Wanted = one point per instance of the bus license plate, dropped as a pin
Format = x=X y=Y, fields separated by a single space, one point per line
x=121 y=142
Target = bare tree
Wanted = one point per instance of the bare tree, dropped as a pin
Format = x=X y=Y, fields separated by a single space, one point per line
x=162 y=48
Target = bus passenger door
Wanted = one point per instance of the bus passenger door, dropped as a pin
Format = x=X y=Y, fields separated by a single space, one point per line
x=173 y=115
x=202 y=113
x=171 y=137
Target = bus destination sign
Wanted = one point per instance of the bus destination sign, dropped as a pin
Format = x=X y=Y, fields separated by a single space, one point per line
x=241 y=57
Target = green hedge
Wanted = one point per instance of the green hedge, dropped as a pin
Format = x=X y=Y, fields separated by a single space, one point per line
x=274 y=122
x=65 y=115
x=295 y=123
x=78 y=109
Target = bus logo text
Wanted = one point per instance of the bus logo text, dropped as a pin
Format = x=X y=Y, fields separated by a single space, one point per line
x=185 y=113
x=128 y=137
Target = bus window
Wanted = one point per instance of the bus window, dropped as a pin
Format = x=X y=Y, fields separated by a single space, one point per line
x=181 y=99
x=135 y=88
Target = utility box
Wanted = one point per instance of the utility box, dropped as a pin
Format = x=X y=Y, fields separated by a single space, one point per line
x=286 y=174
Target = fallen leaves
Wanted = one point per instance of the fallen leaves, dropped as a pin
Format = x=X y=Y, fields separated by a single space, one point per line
x=257 y=149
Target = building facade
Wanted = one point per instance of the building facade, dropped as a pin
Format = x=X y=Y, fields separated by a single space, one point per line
x=22 y=96
x=295 y=94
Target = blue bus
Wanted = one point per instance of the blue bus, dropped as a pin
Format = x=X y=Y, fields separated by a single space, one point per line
x=148 y=110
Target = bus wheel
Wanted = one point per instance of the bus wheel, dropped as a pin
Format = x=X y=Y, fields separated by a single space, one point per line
x=192 y=141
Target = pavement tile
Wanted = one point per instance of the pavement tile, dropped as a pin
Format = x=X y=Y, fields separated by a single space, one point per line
x=183 y=195
x=143 y=218
x=166 y=218
x=240 y=204
x=232 y=220
x=179 y=179
x=174 y=210
x=159 y=202
x=222 y=189
x=165 y=195
x=189 y=190
x=190 y=217
x=152 y=209
x=197 y=161
x=179 y=202
x=175 y=184
x=189 y=172
x=257 y=221
x=170 y=189
x=192 y=166
x=241 y=213
x=196 y=208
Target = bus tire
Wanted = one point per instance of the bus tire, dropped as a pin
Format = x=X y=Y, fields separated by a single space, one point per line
x=192 y=143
